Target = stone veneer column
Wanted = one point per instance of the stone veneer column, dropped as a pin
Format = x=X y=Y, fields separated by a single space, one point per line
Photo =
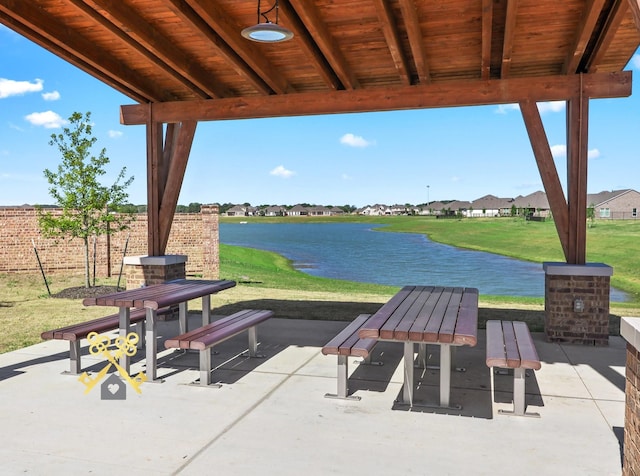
x=210 y=241
x=566 y=287
x=147 y=270
x=630 y=330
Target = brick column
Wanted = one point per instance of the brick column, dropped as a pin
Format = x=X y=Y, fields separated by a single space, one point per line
x=577 y=303
x=630 y=330
x=148 y=270
x=210 y=242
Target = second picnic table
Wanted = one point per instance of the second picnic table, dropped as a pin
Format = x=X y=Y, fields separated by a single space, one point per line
x=446 y=316
x=157 y=296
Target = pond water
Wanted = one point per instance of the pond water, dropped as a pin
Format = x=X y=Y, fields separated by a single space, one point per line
x=356 y=252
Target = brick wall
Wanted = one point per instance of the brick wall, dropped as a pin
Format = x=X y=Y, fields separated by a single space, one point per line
x=562 y=323
x=631 y=464
x=192 y=234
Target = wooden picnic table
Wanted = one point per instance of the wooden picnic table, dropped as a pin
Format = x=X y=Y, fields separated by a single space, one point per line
x=445 y=316
x=155 y=297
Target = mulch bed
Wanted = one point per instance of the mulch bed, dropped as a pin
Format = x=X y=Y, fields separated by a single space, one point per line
x=80 y=292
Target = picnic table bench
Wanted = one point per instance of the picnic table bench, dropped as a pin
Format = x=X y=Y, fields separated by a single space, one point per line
x=510 y=346
x=446 y=316
x=205 y=337
x=153 y=298
x=74 y=333
x=348 y=344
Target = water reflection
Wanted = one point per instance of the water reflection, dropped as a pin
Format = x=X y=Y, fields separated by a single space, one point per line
x=356 y=252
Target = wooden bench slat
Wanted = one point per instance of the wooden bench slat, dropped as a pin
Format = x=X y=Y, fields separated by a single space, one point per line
x=434 y=324
x=387 y=331
x=467 y=325
x=82 y=329
x=510 y=345
x=333 y=346
x=450 y=317
x=528 y=355
x=495 y=345
x=230 y=330
x=183 y=341
x=416 y=332
x=402 y=329
x=371 y=330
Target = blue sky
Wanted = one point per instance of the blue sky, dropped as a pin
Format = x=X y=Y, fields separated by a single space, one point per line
x=355 y=159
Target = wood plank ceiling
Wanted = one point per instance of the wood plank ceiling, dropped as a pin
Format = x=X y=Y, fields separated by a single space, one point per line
x=185 y=61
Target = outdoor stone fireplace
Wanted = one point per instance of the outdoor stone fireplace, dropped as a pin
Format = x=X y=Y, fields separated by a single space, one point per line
x=577 y=303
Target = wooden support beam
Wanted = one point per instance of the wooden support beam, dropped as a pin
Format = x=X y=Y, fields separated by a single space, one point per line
x=414 y=33
x=548 y=172
x=154 y=166
x=577 y=150
x=165 y=171
x=509 y=35
x=178 y=156
x=433 y=95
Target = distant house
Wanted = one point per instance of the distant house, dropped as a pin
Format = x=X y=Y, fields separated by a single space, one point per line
x=458 y=207
x=274 y=211
x=490 y=206
x=375 y=210
x=319 y=211
x=237 y=211
x=298 y=211
x=535 y=204
x=615 y=205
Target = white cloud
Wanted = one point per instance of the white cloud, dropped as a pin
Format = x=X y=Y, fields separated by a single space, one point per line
x=560 y=150
x=354 y=141
x=9 y=87
x=280 y=171
x=52 y=96
x=115 y=134
x=48 y=119
x=455 y=179
x=551 y=106
x=505 y=108
x=593 y=154
x=345 y=177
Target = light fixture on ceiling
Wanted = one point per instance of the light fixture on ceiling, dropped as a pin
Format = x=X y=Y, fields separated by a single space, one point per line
x=267 y=32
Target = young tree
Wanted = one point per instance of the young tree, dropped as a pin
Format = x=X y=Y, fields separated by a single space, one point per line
x=86 y=203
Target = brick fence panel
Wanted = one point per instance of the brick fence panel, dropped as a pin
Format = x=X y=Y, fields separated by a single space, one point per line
x=19 y=232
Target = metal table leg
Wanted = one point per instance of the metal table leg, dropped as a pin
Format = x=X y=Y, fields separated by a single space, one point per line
x=125 y=324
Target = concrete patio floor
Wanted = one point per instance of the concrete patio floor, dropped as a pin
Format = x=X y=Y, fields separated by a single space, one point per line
x=271 y=418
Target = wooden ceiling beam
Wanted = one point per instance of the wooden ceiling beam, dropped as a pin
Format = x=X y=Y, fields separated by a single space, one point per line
x=71 y=47
x=615 y=17
x=509 y=35
x=187 y=14
x=635 y=10
x=487 y=31
x=414 y=32
x=390 y=29
x=114 y=30
x=308 y=14
x=308 y=46
x=583 y=34
x=148 y=37
x=211 y=12
x=434 y=95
